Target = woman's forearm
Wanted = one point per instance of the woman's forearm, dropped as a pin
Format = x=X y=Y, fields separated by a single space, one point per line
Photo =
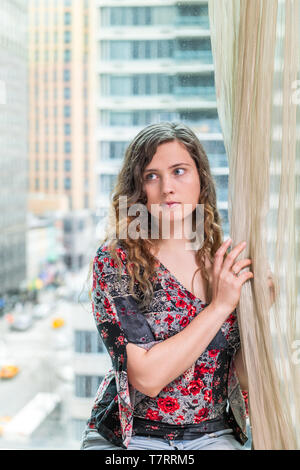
x=169 y=359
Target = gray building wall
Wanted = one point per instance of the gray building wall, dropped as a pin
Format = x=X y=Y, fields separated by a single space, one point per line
x=13 y=142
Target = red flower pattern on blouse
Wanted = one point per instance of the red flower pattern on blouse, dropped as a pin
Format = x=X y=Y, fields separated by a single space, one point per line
x=188 y=399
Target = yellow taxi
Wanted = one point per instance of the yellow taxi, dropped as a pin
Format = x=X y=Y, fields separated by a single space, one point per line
x=8 y=371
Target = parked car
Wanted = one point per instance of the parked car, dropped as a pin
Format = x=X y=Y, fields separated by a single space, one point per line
x=42 y=310
x=8 y=371
x=21 y=322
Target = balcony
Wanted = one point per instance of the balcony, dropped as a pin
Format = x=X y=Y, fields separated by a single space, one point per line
x=205 y=57
x=202 y=21
x=207 y=92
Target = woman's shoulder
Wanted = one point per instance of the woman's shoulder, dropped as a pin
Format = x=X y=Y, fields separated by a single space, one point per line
x=105 y=263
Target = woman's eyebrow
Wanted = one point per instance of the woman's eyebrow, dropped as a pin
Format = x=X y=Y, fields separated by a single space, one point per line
x=172 y=166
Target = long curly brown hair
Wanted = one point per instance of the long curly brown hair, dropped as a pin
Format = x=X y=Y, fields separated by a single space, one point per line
x=141 y=264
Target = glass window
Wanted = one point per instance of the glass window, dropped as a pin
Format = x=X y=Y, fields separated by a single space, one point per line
x=112 y=150
x=193 y=15
x=67 y=75
x=67 y=111
x=67 y=36
x=121 y=118
x=67 y=165
x=67 y=92
x=121 y=50
x=88 y=342
x=67 y=55
x=68 y=225
x=120 y=85
x=67 y=183
x=86 y=386
x=67 y=129
x=67 y=18
x=67 y=147
x=106 y=183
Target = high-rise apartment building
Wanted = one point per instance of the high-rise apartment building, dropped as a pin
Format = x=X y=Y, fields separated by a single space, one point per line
x=154 y=63
x=61 y=119
x=13 y=143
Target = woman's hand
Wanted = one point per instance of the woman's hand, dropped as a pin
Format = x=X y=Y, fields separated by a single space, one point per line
x=226 y=281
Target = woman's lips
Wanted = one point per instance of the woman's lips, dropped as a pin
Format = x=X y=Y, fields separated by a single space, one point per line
x=170 y=204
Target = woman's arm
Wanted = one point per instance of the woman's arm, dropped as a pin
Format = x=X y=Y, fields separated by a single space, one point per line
x=150 y=371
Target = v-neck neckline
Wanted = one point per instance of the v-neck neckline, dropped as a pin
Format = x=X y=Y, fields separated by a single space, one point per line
x=164 y=268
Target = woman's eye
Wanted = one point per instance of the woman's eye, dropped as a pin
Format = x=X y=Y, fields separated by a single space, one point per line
x=147 y=177
x=178 y=169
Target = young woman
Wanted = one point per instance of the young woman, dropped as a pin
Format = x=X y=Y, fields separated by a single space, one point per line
x=166 y=312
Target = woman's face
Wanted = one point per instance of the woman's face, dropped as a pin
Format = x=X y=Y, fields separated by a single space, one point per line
x=171 y=175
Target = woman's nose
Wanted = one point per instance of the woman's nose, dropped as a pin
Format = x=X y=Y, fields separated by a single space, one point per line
x=167 y=186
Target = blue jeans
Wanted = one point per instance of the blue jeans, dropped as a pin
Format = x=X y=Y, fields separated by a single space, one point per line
x=219 y=440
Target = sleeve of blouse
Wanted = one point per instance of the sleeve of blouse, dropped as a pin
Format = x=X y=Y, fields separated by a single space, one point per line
x=106 y=316
x=116 y=313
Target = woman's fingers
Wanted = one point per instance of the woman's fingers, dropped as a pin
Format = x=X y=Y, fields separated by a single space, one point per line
x=229 y=261
x=219 y=256
x=243 y=263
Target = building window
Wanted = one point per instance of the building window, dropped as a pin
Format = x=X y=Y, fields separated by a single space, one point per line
x=55 y=184
x=67 y=165
x=67 y=93
x=67 y=111
x=67 y=37
x=37 y=183
x=67 y=18
x=106 y=183
x=88 y=342
x=67 y=55
x=86 y=386
x=67 y=147
x=67 y=129
x=67 y=183
x=67 y=75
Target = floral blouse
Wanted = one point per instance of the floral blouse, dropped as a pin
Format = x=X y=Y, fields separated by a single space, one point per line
x=195 y=402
